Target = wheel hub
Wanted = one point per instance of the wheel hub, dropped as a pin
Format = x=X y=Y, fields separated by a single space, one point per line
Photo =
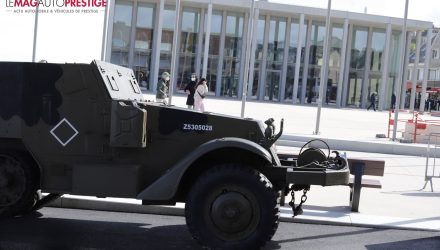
x=12 y=181
x=231 y=212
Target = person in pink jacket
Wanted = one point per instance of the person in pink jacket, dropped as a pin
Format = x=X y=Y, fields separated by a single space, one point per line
x=200 y=94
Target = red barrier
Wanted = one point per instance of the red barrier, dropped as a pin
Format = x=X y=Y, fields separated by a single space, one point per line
x=391 y=119
x=418 y=122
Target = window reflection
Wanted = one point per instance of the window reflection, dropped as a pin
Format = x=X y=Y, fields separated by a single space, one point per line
x=291 y=60
x=232 y=54
x=377 y=48
x=275 y=55
x=334 y=63
x=315 y=61
x=188 y=46
x=396 y=36
x=261 y=25
x=214 y=49
x=357 y=65
x=121 y=33
x=143 y=43
x=169 y=19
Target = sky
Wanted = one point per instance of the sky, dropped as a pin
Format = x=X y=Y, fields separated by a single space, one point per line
x=77 y=37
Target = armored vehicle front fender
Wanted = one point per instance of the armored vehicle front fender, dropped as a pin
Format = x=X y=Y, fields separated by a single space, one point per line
x=166 y=186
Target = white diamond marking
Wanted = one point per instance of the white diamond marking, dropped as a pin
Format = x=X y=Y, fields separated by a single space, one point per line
x=57 y=138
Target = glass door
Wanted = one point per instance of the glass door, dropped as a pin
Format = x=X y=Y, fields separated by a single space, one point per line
x=272 y=86
x=355 y=89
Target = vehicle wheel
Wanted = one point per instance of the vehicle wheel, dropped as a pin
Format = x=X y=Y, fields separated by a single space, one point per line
x=18 y=189
x=232 y=207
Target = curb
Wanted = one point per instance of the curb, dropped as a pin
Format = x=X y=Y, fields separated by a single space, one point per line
x=342 y=219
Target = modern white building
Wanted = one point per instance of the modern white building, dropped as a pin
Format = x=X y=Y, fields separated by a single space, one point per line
x=427 y=61
x=286 y=55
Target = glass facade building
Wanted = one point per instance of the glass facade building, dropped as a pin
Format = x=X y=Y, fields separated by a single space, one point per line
x=286 y=56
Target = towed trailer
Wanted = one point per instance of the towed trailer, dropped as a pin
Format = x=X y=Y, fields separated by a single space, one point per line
x=86 y=129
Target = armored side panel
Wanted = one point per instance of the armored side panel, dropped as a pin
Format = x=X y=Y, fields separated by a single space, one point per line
x=62 y=113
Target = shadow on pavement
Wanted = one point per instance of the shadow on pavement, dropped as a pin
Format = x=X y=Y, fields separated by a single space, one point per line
x=33 y=232
x=422 y=194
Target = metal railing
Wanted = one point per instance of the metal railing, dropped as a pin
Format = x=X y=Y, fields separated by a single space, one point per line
x=432 y=171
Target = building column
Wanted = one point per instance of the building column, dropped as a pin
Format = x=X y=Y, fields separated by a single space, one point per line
x=200 y=43
x=285 y=57
x=298 y=59
x=156 y=46
x=306 y=62
x=342 y=64
x=132 y=35
x=385 y=62
x=207 y=38
x=405 y=69
x=109 y=29
x=252 y=54
x=330 y=35
x=262 y=80
x=218 y=86
x=415 y=76
x=398 y=85
x=347 y=67
x=243 y=55
x=426 y=69
x=177 y=32
x=366 y=81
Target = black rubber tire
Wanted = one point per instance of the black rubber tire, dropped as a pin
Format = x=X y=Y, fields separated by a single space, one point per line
x=241 y=193
x=24 y=181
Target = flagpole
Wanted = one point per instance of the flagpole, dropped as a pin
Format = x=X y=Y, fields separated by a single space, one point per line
x=323 y=83
x=400 y=79
x=247 y=56
x=104 y=32
x=174 y=53
x=34 y=48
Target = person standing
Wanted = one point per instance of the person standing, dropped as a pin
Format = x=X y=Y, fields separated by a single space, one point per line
x=393 y=101
x=162 y=88
x=200 y=93
x=191 y=88
x=419 y=97
x=373 y=102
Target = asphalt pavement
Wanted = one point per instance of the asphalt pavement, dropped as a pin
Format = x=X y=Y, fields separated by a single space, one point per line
x=74 y=229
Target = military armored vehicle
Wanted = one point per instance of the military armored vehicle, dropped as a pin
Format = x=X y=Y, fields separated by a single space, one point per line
x=86 y=129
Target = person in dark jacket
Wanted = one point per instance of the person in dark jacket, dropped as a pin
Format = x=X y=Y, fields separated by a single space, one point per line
x=162 y=88
x=393 y=101
x=373 y=102
x=191 y=88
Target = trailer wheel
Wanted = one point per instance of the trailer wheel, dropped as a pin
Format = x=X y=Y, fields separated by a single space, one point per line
x=18 y=190
x=232 y=207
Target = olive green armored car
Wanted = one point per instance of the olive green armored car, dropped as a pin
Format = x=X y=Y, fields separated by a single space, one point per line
x=86 y=129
